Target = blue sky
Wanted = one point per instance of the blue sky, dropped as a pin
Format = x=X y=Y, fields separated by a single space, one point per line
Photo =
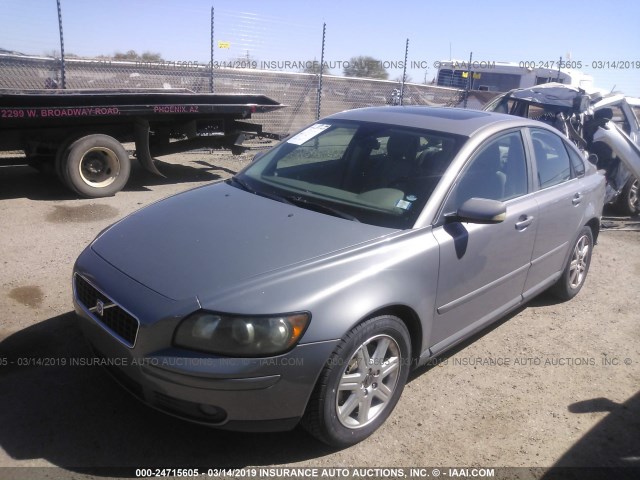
x=278 y=30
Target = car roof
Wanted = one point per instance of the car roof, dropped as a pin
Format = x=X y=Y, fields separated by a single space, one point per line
x=442 y=119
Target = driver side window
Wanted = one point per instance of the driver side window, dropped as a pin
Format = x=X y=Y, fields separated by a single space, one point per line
x=498 y=171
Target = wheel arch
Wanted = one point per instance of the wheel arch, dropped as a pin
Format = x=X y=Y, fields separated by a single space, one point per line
x=411 y=320
x=594 y=225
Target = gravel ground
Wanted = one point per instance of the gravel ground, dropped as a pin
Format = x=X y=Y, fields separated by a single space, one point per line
x=554 y=384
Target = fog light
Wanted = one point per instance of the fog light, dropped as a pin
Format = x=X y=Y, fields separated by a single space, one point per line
x=214 y=413
x=209 y=409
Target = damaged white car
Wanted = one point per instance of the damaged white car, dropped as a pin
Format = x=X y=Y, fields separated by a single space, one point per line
x=605 y=128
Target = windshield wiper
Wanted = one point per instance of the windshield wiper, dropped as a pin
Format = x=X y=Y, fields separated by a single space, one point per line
x=319 y=207
x=294 y=200
x=245 y=186
x=242 y=184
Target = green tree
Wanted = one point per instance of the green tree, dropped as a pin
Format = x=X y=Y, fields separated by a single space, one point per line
x=366 y=67
x=132 y=56
x=151 y=57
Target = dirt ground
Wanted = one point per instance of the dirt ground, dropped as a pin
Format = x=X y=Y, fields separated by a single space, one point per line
x=554 y=384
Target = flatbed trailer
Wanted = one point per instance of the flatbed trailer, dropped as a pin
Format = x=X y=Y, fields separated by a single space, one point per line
x=79 y=133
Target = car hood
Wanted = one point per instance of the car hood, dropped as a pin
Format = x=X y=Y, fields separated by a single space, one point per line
x=214 y=237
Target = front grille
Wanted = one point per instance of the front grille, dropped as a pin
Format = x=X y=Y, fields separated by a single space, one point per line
x=106 y=311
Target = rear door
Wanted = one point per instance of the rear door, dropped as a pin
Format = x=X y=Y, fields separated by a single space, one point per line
x=561 y=203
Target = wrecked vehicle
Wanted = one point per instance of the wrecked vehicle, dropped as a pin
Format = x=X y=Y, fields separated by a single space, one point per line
x=604 y=128
x=626 y=115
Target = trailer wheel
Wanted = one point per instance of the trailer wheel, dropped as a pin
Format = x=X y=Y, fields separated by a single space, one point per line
x=95 y=166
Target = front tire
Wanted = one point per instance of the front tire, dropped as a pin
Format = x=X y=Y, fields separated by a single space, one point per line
x=577 y=267
x=361 y=383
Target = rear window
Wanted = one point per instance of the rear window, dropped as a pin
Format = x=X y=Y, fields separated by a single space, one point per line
x=552 y=159
x=577 y=162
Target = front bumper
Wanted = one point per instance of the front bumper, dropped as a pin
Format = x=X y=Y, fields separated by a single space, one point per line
x=265 y=401
x=246 y=394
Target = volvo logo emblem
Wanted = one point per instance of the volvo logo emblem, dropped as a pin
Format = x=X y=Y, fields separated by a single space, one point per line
x=99 y=307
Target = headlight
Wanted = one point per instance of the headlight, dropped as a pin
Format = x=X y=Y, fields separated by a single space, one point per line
x=240 y=336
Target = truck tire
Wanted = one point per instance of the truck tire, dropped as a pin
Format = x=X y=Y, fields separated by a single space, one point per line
x=627 y=202
x=94 y=166
x=60 y=162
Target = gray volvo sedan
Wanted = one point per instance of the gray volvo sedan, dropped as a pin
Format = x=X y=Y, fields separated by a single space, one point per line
x=305 y=288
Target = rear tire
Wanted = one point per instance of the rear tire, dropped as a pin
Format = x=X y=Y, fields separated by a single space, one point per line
x=94 y=166
x=361 y=383
x=577 y=267
x=627 y=201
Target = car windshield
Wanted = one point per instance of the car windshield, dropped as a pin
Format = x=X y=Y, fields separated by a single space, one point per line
x=373 y=173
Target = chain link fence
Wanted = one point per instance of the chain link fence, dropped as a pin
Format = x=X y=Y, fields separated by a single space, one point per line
x=248 y=53
x=299 y=91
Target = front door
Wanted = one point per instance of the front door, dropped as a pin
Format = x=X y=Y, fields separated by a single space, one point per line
x=483 y=268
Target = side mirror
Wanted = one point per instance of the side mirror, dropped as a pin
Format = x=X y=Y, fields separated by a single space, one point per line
x=482 y=211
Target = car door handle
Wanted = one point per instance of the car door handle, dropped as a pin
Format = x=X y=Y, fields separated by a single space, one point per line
x=577 y=198
x=523 y=222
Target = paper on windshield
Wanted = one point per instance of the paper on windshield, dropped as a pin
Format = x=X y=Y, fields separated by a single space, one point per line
x=308 y=133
